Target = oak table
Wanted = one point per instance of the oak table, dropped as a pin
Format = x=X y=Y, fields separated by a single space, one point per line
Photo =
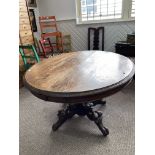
x=79 y=79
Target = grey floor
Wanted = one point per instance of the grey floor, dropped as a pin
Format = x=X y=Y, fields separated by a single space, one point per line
x=78 y=136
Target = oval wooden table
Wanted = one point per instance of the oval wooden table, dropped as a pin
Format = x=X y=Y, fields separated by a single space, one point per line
x=80 y=79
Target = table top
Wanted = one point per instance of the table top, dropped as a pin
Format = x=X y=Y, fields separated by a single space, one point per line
x=78 y=74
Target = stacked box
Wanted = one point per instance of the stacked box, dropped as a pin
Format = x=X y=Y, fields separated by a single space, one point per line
x=67 y=43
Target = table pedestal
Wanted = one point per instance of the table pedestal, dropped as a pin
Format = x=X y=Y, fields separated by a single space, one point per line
x=82 y=110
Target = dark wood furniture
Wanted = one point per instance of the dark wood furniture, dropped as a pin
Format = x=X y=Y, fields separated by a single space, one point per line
x=126 y=48
x=80 y=79
x=97 y=40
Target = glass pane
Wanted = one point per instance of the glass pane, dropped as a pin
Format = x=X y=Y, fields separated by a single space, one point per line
x=101 y=9
x=91 y=2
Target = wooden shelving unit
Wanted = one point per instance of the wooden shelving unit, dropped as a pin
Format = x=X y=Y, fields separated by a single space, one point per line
x=25 y=34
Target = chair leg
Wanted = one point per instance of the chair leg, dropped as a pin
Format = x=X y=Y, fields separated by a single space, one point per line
x=49 y=41
x=43 y=50
x=35 y=54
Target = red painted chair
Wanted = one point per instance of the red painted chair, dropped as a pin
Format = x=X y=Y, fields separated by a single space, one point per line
x=46 y=46
x=49 y=22
x=58 y=45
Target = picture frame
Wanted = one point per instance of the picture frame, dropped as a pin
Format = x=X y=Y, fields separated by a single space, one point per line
x=33 y=20
x=32 y=3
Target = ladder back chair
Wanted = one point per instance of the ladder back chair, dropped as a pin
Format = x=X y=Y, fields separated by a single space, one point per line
x=59 y=43
x=49 y=29
x=28 y=58
x=46 y=46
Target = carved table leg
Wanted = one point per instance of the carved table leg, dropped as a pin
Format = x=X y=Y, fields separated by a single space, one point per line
x=63 y=115
x=97 y=118
x=99 y=102
x=81 y=110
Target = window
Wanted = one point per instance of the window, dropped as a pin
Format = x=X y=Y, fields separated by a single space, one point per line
x=104 y=10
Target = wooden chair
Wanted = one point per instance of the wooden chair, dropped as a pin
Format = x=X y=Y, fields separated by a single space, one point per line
x=46 y=46
x=95 y=32
x=49 y=22
x=59 y=43
x=28 y=58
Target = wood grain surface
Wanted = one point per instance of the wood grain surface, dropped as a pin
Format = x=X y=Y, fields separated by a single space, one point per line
x=79 y=74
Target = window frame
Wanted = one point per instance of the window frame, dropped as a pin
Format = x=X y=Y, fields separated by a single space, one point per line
x=126 y=14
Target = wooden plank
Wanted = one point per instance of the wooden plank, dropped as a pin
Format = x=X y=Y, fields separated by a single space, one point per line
x=48 y=25
x=28 y=43
x=22 y=3
x=27 y=40
x=23 y=15
x=25 y=33
x=24 y=27
x=24 y=21
x=23 y=8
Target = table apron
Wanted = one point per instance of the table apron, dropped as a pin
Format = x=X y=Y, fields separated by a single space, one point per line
x=79 y=99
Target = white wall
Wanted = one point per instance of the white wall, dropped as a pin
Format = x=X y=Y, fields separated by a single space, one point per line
x=65 y=9
x=62 y=9
x=114 y=32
